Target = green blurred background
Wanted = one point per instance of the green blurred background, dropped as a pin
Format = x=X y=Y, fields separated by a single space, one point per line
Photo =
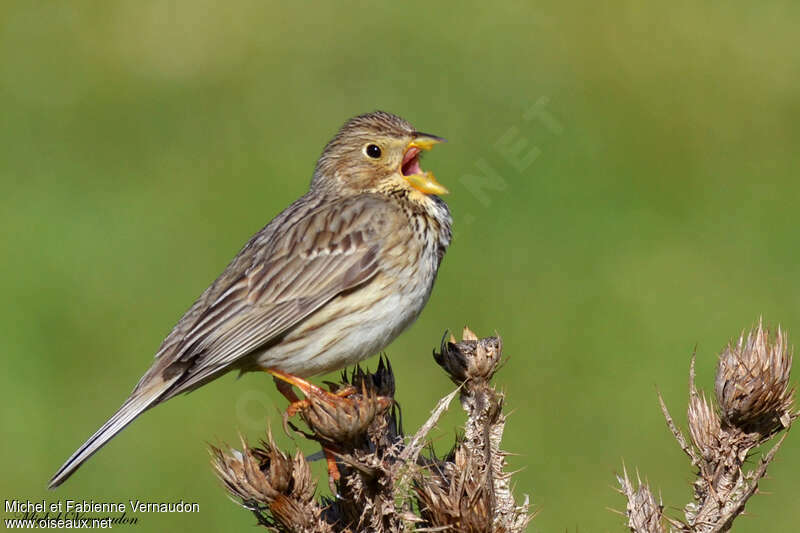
x=648 y=210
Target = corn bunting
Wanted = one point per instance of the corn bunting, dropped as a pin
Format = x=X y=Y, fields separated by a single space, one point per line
x=331 y=280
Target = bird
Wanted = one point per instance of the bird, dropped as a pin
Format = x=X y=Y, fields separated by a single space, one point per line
x=331 y=280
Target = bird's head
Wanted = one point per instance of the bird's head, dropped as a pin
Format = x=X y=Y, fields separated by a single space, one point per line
x=377 y=152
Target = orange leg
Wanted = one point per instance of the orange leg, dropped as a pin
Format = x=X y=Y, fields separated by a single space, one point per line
x=286 y=389
x=284 y=382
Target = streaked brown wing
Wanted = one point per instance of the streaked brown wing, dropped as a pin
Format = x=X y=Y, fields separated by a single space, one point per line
x=289 y=276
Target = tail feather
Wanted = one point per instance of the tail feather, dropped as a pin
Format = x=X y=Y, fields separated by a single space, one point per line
x=133 y=407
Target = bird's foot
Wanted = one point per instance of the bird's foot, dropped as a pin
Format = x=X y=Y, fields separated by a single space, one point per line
x=284 y=383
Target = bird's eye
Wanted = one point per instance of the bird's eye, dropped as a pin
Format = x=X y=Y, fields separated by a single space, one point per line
x=373 y=150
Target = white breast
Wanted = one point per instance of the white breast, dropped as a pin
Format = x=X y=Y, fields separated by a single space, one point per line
x=356 y=325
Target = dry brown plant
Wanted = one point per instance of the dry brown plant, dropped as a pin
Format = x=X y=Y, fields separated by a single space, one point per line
x=754 y=403
x=383 y=480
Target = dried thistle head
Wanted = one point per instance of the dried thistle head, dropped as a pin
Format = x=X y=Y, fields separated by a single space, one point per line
x=276 y=487
x=457 y=496
x=704 y=426
x=472 y=359
x=344 y=420
x=752 y=383
x=643 y=512
x=386 y=430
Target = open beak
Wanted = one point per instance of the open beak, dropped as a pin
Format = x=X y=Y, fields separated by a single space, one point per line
x=421 y=180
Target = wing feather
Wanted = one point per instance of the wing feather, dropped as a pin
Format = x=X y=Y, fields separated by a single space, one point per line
x=287 y=278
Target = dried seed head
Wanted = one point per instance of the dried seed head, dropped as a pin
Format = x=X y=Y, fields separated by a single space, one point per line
x=276 y=487
x=344 y=420
x=456 y=495
x=752 y=383
x=704 y=426
x=643 y=512
x=472 y=359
